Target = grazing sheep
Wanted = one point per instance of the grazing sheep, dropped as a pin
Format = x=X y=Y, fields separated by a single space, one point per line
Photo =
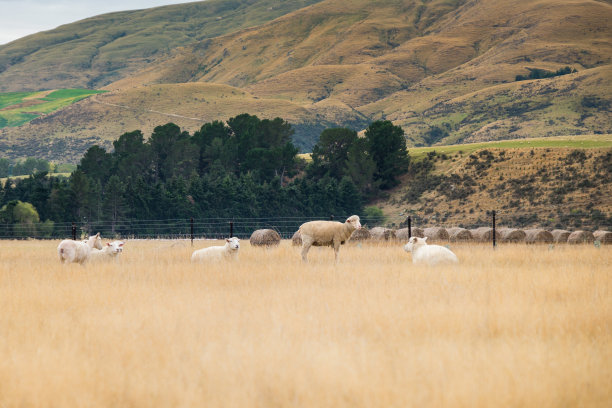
x=229 y=251
x=604 y=237
x=538 y=235
x=436 y=234
x=265 y=237
x=110 y=251
x=73 y=251
x=560 y=236
x=429 y=254
x=456 y=234
x=580 y=237
x=382 y=234
x=327 y=233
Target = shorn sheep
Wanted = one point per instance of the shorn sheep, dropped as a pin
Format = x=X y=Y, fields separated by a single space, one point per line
x=229 y=251
x=110 y=251
x=429 y=254
x=327 y=233
x=73 y=251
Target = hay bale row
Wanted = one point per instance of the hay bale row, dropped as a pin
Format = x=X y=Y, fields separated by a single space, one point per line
x=580 y=237
x=604 y=237
x=362 y=234
x=537 y=235
x=512 y=235
x=457 y=234
x=560 y=236
x=265 y=237
x=436 y=234
x=382 y=234
x=484 y=234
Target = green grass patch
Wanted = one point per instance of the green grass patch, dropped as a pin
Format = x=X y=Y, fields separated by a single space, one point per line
x=54 y=101
x=576 y=142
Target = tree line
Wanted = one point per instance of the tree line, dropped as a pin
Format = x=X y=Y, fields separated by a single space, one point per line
x=244 y=168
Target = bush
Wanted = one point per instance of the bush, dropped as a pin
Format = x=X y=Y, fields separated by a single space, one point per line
x=373 y=216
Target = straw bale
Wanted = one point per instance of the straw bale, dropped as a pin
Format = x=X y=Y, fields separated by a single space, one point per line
x=580 y=237
x=436 y=234
x=560 y=236
x=296 y=239
x=459 y=234
x=382 y=234
x=484 y=234
x=512 y=235
x=265 y=237
x=605 y=237
x=402 y=233
x=361 y=234
x=538 y=235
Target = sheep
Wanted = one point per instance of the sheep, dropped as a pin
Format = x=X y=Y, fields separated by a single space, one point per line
x=429 y=254
x=327 y=233
x=73 y=251
x=229 y=251
x=110 y=251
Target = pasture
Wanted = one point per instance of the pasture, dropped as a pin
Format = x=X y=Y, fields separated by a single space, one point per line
x=527 y=326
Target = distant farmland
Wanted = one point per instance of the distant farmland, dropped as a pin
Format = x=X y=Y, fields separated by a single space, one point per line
x=18 y=108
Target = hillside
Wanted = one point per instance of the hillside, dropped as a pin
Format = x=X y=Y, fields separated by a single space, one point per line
x=444 y=70
x=554 y=182
x=96 y=51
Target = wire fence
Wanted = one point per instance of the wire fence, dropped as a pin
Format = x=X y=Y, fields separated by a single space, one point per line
x=218 y=228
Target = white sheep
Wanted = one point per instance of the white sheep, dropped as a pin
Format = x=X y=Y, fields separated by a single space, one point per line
x=327 y=233
x=429 y=254
x=229 y=251
x=74 y=251
x=110 y=251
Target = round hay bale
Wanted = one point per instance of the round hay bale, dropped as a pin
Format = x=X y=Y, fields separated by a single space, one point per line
x=512 y=235
x=604 y=237
x=296 y=239
x=382 y=234
x=402 y=233
x=436 y=234
x=580 y=237
x=560 y=236
x=265 y=237
x=456 y=234
x=538 y=235
x=362 y=234
x=484 y=234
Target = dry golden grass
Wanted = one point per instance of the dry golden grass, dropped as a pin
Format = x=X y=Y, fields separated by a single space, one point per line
x=518 y=326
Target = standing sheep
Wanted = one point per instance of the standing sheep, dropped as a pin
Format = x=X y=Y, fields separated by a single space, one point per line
x=429 y=254
x=228 y=251
x=327 y=233
x=73 y=251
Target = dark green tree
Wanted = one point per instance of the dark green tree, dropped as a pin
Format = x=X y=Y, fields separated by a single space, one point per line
x=330 y=153
x=387 y=147
x=114 y=202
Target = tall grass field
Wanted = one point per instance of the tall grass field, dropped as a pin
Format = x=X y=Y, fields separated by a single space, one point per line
x=518 y=326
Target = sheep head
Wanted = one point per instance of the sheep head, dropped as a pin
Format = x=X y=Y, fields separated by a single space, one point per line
x=233 y=243
x=115 y=247
x=414 y=243
x=353 y=221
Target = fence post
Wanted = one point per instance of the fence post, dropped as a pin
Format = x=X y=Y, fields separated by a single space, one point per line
x=231 y=229
x=73 y=231
x=493 y=219
x=331 y=217
x=409 y=227
x=191 y=225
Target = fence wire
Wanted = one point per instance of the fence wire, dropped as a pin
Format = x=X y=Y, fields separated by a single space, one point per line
x=218 y=228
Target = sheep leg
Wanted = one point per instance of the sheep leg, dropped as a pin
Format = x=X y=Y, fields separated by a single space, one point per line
x=336 y=249
x=306 y=244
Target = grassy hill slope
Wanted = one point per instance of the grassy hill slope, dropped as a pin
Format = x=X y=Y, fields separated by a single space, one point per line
x=96 y=51
x=442 y=69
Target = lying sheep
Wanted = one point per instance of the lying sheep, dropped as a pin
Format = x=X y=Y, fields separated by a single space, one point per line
x=109 y=252
x=229 y=251
x=73 y=251
x=429 y=254
x=327 y=233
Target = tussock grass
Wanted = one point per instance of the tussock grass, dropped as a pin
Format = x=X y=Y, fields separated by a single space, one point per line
x=518 y=326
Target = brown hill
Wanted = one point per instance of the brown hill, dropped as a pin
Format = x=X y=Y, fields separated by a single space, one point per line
x=443 y=69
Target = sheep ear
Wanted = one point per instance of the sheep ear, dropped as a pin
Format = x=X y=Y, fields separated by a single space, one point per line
x=108 y=244
x=121 y=244
x=425 y=239
x=227 y=240
x=98 y=235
